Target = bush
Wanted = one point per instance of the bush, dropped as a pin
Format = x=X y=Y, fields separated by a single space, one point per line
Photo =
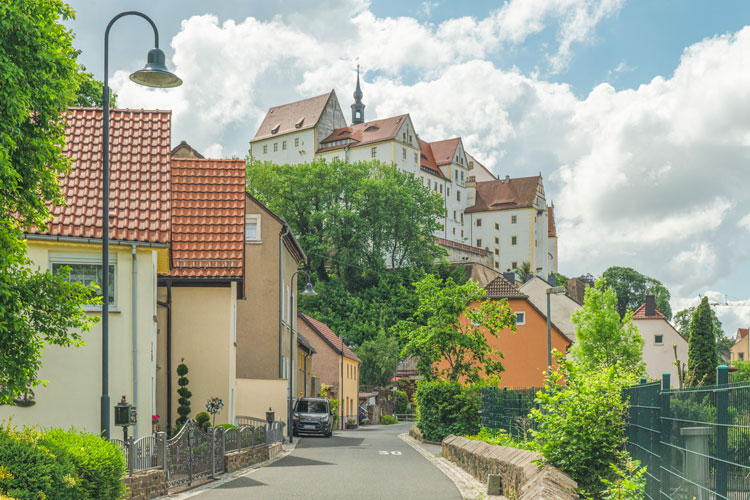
x=60 y=465
x=580 y=425
x=629 y=482
x=402 y=402
x=184 y=400
x=99 y=463
x=227 y=426
x=203 y=420
x=388 y=419
x=445 y=408
x=501 y=438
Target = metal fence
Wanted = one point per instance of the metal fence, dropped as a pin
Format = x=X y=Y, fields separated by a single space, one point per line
x=194 y=454
x=695 y=443
x=508 y=409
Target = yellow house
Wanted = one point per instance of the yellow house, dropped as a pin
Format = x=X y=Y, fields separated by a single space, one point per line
x=139 y=241
x=198 y=296
x=741 y=347
x=335 y=364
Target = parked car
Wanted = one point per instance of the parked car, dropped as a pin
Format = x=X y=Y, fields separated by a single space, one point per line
x=313 y=416
x=363 y=415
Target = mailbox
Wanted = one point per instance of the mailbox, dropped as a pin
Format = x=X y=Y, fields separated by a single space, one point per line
x=125 y=414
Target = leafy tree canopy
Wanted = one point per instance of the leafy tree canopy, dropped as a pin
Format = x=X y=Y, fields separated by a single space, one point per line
x=523 y=273
x=380 y=357
x=683 y=318
x=38 y=79
x=702 y=354
x=354 y=220
x=603 y=339
x=450 y=329
x=90 y=91
x=632 y=287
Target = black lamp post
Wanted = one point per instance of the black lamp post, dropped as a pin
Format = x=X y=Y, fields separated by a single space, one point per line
x=154 y=74
x=307 y=291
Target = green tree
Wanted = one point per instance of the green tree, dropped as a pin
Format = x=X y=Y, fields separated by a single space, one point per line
x=448 y=327
x=743 y=371
x=604 y=340
x=354 y=220
x=90 y=91
x=38 y=78
x=380 y=357
x=562 y=280
x=632 y=287
x=523 y=273
x=702 y=355
x=682 y=321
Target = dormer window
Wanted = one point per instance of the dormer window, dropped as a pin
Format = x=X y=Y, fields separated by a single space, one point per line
x=299 y=122
x=371 y=128
x=344 y=132
x=423 y=157
x=275 y=129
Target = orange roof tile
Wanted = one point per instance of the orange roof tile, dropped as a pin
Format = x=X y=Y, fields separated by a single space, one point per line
x=427 y=160
x=502 y=194
x=139 y=183
x=445 y=150
x=742 y=332
x=551 y=226
x=364 y=133
x=327 y=334
x=208 y=217
x=295 y=116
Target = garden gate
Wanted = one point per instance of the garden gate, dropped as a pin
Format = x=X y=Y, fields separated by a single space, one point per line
x=194 y=454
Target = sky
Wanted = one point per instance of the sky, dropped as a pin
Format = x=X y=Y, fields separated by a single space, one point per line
x=636 y=113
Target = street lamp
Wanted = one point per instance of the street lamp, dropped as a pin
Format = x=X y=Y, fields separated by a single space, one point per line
x=557 y=290
x=154 y=74
x=307 y=291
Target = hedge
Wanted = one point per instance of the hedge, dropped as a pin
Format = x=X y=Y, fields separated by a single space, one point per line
x=445 y=408
x=59 y=464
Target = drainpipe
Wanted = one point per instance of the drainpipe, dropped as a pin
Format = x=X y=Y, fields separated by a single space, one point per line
x=304 y=373
x=281 y=295
x=135 y=334
x=168 y=305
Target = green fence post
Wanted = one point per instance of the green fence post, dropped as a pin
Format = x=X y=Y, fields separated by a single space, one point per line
x=644 y=380
x=664 y=437
x=504 y=414
x=722 y=420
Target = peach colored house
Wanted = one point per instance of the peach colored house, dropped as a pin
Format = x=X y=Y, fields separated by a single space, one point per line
x=741 y=347
x=524 y=351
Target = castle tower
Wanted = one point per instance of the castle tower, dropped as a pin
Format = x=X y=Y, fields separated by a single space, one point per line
x=358 y=108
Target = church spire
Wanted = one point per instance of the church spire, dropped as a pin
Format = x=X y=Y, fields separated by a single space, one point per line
x=358 y=108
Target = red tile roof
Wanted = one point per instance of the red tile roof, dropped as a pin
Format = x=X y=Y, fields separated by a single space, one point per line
x=427 y=160
x=503 y=194
x=364 y=133
x=551 y=226
x=640 y=313
x=742 y=332
x=208 y=218
x=292 y=117
x=139 y=186
x=327 y=334
x=500 y=288
x=445 y=150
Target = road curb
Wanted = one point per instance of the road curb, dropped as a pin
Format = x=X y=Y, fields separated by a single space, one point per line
x=469 y=487
x=287 y=448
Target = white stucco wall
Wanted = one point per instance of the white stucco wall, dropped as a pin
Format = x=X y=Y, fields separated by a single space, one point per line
x=292 y=155
x=72 y=395
x=659 y=357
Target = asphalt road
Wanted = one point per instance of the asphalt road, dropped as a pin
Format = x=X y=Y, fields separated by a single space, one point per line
x=370 y=463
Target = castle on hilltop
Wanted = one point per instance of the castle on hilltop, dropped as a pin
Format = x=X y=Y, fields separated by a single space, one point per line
x=499 y=223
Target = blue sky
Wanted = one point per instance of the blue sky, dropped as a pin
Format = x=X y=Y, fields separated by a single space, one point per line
x=637 y=113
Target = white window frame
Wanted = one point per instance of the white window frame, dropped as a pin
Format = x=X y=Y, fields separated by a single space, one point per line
x=275 y=147
x=265 y=149
x=520 y=318
x=253 y=218
x=71 y=259
x=656 y=342
x=374 y=152
x=296 y=142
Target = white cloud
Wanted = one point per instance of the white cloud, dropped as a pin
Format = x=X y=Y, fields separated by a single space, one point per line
x=653 y=178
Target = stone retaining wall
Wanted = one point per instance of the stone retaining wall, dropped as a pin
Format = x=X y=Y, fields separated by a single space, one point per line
x=236 y=460
x=146 y=485
x=416 y=433
x=274 y=449
x=521 y=477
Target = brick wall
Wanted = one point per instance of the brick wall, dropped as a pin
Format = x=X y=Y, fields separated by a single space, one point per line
x=521 y=477
x=146 y=485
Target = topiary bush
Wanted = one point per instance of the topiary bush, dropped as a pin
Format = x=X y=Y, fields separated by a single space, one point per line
x=402 y=402
x=184 y=409
x=203 y=420
x=99 y=463
x=445 y=408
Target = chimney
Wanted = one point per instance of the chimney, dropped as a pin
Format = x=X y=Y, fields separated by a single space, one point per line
x=552 y=279
x=510 y=276
x=576 y=289
x=507 y=179
x=650 y=305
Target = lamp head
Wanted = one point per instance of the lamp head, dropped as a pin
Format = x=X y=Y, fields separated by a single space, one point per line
x=155 y=72
x=309 y=290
